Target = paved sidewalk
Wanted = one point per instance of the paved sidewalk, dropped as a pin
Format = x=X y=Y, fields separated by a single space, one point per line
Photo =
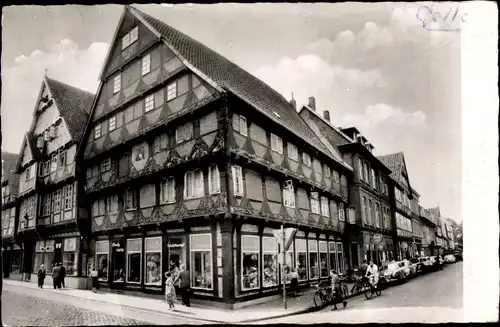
x=271 y=309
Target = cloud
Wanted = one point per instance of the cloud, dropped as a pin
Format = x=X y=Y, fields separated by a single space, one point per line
x=22 y=78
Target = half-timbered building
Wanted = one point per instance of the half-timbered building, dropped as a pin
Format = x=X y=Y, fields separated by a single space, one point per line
x=53 y=224
x=192 y=160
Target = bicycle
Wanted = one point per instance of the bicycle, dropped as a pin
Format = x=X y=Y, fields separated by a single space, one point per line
x=359 y=285
x=325 y=295
x=372 y=289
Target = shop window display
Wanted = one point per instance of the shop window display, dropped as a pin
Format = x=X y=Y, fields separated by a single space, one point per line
x=176 y=254
x=70 y=256
x=102 y=255
x=340 y=257
x=301 y=251
x=332 y=249
x=153 y=246
x=201 y=261
x=118 y=261
x=250 y=262
x=323 y=259
x=270 y=258
x=313 y=259
x=134 y=257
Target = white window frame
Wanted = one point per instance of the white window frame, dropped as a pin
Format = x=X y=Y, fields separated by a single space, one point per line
x=149 y=103
x=309 y=241
x=340 y=263
x=181 y=134
x=172 y=91
x=197 y=190
x=107 y=253
x=243 y=126
x=53 y=163
x=130 y=38
x=191 y=251
x=134 y=199
x=146 y=64
x=293 y=152
x=325 y=207
x=276 y=143
x=306 y=159
x=126 y=261
x=315 y=205
x=341 y=212
x=276 y=253
x=213 y=189
x=105 y=165
x=297 y=258
x=258 y=268
x=68 y=197
x=112 y=123
x=117 y=83
x=97 y=131
x=237 y=180
x=319 y=258
x=289 y=195
x=164 y=190
x=61 y=160
x=146 y=251
x=57 y=201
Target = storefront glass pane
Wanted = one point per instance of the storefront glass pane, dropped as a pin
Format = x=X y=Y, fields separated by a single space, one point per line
x=201 y=261
x=250 y=261
x=301 y=250
x=323 y=259
x=70 y=263
x=134 y=256
x=118 y=261
x=38 y=262
x=340 y=258
x=313 y=259
x=48 y=260
x=176 y=254
x=102 y=254
x=270 y=250
x=153 y=248
x=332 y=249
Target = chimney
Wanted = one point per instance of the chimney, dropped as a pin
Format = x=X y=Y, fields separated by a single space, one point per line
x=312 y=103
x=293 y=103
x=326 y=115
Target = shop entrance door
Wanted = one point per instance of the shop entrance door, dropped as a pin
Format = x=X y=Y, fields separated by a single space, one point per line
x=57 y=251
x=118 y=264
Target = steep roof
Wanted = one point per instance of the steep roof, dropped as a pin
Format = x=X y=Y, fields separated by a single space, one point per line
x=74 y=106
x=9 y=163
x=435 y=212
x=395 y=163
x=226 y=75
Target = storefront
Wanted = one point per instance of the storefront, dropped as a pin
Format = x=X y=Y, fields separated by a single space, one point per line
x=378 y=248
x=12 y=255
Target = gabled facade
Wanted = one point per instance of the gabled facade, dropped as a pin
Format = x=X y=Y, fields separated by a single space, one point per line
x=401 y=195
x=440 y=236
x=191 y=160
x=429 y=231
x=53 y=217
x=11 y=248
x=417 y=225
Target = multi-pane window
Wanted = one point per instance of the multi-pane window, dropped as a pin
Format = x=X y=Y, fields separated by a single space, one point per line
x=171 y=91
x=240 y=124
x=117 y=83
x=276 y=144
x=377 y=215
x=193 y=184
x=105 y=165
x=68 y=197
x=57 y=201
x=111 y=203
x=213 y=179
x=325 y=208
x=112 y=123
x=289 y=195
x=97 y=131
x=146 y=64
x=184 y=132
x=306 y=159
x=129 y=38
x=315 y=203
x=237 y=180
x=293 y=153
x=167 y=190
x=341 y=212
x=149 y=103
x=130 y=199
x=160 y=143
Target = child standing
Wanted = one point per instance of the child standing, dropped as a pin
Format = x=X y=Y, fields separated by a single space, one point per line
x=170 y=290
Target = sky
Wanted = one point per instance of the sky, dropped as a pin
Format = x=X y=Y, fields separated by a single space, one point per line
x=372 y=66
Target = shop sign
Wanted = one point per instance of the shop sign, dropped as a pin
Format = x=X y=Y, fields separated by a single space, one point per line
x=378 y=238
x=176 y=230
x=115 y=244
x=181 y=245
x=119 y=249
x=200 y=228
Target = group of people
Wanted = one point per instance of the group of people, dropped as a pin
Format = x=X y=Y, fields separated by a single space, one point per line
x=177 y=281
x=58 y=275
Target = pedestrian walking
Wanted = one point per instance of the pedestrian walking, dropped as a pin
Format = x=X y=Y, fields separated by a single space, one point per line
x=63 y=274
x=294 y=281
x=184 y=285
x=56 y=276
x=170 y=290
x=339 y=294
x=41 y=275
x=94 y=279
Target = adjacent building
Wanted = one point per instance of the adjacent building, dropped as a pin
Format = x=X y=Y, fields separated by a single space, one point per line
x=401 y=195
x=429 y=231
x=440 y=237
x=417 y=225
x=191 y=160
x=11 y=248
x=53 y=225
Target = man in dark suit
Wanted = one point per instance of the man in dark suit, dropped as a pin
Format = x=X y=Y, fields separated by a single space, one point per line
x=63 y=274
x=56 y=276
x=184 y=285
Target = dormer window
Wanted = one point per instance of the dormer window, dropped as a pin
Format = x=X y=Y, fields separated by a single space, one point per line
x=129 y=38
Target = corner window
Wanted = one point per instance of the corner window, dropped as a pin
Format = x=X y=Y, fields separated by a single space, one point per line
x=117 y=83
x=276 y=144
x=201 y=261
x=134 y=258
x=237 y=180
x=213 y=179
x=293 y=153
x=289 y=195
x=325 y=208
x=112 y=123
x=130 y=199
x=149 y=103
x=172 y=91
x=250 y=249
x=146 y=64
x=167 y=190
x=315 y=203
x=97 y=131
x=306 y=159
x=193 y=184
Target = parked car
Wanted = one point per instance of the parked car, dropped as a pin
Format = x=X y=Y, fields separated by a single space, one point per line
x=426 y=263
x=437 y=262
x=450 y=258
x=418 y=265
x=458 y=255
x=393 y=271
x=410 y=269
